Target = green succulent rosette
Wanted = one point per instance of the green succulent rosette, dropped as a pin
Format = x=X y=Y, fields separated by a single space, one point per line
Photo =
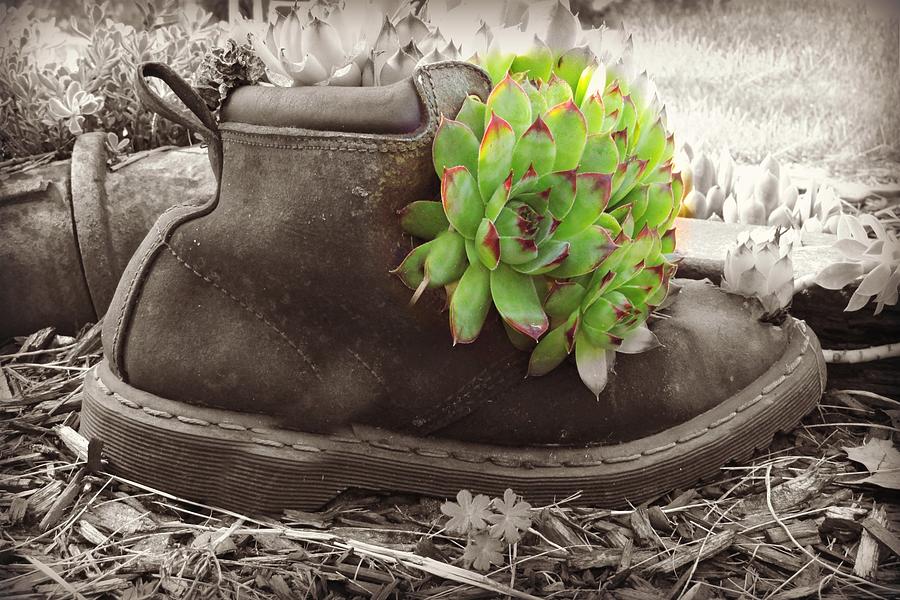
x=557 y=207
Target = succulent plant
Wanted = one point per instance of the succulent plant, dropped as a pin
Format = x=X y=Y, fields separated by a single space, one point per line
x=348 y=43
x=557 y=206
x=760 y=266
x=874 y=261
x=760 y=195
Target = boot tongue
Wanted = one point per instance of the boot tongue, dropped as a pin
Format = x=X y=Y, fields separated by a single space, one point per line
x=393 y=108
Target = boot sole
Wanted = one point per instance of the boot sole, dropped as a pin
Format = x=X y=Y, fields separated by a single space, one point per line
x=245 y=462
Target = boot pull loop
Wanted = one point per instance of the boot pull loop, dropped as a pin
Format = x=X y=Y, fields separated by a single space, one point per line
x=199 y=120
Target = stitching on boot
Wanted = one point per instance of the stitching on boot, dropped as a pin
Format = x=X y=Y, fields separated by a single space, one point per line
x=242 y=304
x=128 y=300
x=464 y=456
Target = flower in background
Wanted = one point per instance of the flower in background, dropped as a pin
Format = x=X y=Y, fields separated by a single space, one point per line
x=75 y=104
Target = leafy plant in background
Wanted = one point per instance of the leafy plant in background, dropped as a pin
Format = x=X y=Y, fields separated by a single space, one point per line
x=488 y=524
x=759 y=195
x=872 y=261
x=57 y=81
x=760 y=267
x=349 y=43
x=557 y=208
x=379 y=42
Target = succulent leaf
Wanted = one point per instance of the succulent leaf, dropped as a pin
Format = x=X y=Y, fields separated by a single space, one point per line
x=462 y=201
x=423 y=219
x=472 y=114
x=487 y=242
x=591 y=196
x=517 y=301
x=495 y=156
x=446 y=261
x=535 y=149
x=556 y=91
x=517 y=250
x=454 y=145
x=470 y=303
x=593 y=363
x=587 y=249
x=562 y=186
x=550 y=255
x=509 y=102
x=553 y=348
x=601 y=155
x=570 y=132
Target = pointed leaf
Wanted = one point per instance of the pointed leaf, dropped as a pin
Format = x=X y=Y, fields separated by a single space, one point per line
x=838 y=275
x=600 y=154
x=587 y=249
x=470 y=303
x=495 y=156
x=454 y=145
x=472 y=114
x=556 y=91
x=424 y=219
x=594 y=113
x=412 y=270
x=487 y=242
x=517 y=301
x=550 y=255
x=564 y=298
x=517 y=250
x=593 y=366
x=446 y=261
x=640 y=339
x=510 y=102
x=562 y=186
x=553 y=348
x=591 y=196
x=462 y=201
x=875 y=280
x=498 y=200
x=570 y=132
x=536 y=149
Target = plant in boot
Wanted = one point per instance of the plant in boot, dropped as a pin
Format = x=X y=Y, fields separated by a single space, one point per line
x=760 y=267
x=557 y=205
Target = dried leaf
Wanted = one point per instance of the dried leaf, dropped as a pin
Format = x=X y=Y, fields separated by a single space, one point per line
x=881 y=459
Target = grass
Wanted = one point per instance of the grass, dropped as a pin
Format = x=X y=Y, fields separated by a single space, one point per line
x=810 y=81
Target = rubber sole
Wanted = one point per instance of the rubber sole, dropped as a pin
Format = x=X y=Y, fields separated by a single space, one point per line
x=246 y=463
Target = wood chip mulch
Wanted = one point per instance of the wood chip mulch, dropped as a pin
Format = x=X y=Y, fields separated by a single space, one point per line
x=795 y=522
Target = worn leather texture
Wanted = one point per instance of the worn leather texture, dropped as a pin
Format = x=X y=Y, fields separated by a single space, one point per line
x=276 y=298
x=385 y=109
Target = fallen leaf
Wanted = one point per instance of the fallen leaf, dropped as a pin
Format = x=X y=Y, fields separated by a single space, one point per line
x=881 y=459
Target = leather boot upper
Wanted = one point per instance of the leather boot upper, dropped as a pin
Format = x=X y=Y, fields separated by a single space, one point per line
x=277 y=298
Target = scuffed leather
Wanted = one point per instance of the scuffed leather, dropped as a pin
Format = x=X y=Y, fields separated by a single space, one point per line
x=386 y=109
x=277 y=299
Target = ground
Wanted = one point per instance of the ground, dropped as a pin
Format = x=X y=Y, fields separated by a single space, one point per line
x=813 y=82
x=809 y=516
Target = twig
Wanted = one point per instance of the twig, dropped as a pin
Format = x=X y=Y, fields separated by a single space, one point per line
x=836 y=571
x=862 y=355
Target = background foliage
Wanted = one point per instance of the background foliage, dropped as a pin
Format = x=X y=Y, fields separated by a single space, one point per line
x=66 y=72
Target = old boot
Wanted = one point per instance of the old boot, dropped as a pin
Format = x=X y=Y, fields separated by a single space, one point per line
x=260 y=356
